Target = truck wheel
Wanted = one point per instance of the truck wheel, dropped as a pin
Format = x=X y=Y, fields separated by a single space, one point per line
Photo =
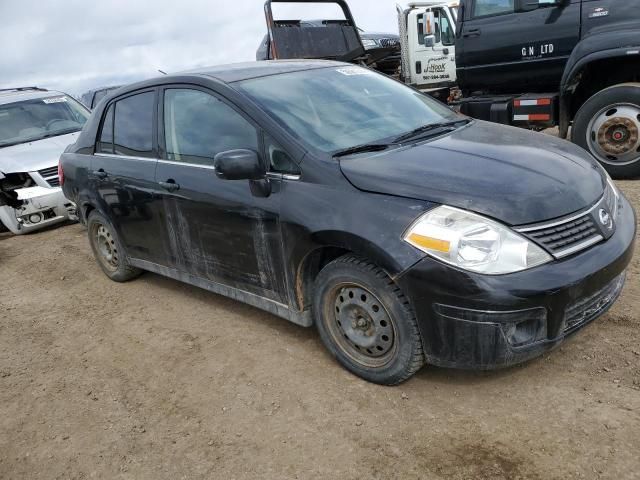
x=608 y=126
x=366 y=322
x=108 y=251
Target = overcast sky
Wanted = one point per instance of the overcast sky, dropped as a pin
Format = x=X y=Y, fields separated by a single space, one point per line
x=75 y=45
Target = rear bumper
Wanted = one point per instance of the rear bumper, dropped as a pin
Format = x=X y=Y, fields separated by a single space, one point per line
x=483 y=322
x=42 y=207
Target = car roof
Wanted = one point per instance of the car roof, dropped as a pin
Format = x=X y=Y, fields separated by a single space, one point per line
x=18 y=95
x=236 y=72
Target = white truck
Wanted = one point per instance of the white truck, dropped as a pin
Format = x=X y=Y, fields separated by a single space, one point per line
x=428 y=36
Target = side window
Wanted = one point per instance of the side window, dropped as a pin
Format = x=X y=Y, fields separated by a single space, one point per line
x=197 y=126
x=279 y=160
x=484 y=8
x=105 y=144
x=421 y=28
x=443 y=29
x=133 y=125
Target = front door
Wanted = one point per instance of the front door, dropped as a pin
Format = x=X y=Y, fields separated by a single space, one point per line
x=500 y=47
x=123 y=173
x=432 y=66
x=216 y=229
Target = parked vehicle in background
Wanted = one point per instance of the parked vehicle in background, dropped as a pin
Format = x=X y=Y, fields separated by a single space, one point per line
x=372 y=42
x=428 y=52
x=91 y=98
x=302 y=188
x=537 y=64
x=35 y=127
x=335 y=39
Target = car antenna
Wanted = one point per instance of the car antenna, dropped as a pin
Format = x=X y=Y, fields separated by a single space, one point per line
x=164 y=73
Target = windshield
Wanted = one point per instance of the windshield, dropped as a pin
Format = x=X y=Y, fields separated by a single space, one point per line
x=32 y=120
x=333 y=109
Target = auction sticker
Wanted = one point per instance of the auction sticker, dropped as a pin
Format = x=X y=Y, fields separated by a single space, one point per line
x=351 y=71
x=55 y=100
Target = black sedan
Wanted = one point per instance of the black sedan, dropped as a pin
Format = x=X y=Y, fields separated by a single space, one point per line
x=334 y=196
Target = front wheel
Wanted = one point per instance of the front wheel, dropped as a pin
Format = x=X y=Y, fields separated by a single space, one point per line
x=366 y=322
x=608 y=126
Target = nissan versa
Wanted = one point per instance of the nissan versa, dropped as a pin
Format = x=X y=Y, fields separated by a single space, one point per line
x=328 y=194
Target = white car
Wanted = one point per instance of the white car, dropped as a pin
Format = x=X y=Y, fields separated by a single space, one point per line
x=36 y=125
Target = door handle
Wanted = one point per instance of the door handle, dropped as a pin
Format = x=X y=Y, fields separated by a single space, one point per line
x=472 y=32
x=101 y=174
x=170 y=185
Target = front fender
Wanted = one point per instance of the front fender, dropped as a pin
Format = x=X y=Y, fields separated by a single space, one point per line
x=600 y=45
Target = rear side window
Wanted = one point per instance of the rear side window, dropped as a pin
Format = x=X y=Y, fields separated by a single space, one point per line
x=485 y=8
x=105 y=144
x=197 y=126
x=133 y=125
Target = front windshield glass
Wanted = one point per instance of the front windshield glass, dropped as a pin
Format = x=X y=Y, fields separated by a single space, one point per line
x=342 y=107
x=32 y=120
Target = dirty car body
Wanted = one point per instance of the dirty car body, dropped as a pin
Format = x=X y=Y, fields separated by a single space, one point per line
x=36 y=125
x=499 y=243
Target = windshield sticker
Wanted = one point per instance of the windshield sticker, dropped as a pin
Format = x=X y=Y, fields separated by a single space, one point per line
x=351 y=71
x=55 y=100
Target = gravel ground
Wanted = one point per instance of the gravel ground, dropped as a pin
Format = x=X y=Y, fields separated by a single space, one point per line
x=158 y=380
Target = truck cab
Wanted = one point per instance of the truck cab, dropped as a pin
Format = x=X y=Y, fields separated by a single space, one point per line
x=427 y=32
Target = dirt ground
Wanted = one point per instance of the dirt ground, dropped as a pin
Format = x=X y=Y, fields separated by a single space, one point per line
x=158 y=380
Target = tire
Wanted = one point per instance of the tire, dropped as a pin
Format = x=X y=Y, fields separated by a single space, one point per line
x=613 y=111
x=366 y=322
x=108 y=250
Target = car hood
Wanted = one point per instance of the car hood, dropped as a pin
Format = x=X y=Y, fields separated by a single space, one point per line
x=512 y=175
x=33 y=156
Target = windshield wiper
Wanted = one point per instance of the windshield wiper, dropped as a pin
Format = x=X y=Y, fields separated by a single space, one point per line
x=369 y=147
x=418 y=132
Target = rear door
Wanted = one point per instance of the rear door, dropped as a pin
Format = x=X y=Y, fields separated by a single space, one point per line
x=123 y=173
x=501 y=47
x=216 y=229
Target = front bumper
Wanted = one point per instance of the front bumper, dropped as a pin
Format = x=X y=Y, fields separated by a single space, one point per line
x=475 y=321
x=42 y=207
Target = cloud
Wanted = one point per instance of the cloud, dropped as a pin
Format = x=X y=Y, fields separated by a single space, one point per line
x=76 y=45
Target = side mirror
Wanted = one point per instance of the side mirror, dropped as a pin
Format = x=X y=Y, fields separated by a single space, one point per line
x=239 y=165
x=429 y=41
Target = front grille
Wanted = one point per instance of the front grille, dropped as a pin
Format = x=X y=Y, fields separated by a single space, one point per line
x=573 y=234
x=50 y=175
x=587 y=309
x=566 y=237
x=389 y=42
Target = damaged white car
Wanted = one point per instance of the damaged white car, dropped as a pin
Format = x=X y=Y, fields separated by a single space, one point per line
x=36 y=125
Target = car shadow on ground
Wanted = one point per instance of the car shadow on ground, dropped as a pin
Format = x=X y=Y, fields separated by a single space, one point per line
x=306 y=337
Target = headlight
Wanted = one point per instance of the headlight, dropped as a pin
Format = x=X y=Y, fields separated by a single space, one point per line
x=472 y=242
x=369 y=43
x=612 y=198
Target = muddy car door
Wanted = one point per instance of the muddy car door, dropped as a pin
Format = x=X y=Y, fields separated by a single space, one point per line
x=123 y=173
x=218 y=230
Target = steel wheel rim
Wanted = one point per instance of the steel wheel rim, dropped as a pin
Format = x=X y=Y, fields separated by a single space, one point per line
x=361 y=325
x=106 y=247
x=613 y=134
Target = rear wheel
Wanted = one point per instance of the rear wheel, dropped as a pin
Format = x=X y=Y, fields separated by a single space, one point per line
x=366 y=322
x=108 y=250
x=608 y=126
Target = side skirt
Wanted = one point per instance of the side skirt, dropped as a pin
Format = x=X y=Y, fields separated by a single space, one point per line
x=300 y=318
